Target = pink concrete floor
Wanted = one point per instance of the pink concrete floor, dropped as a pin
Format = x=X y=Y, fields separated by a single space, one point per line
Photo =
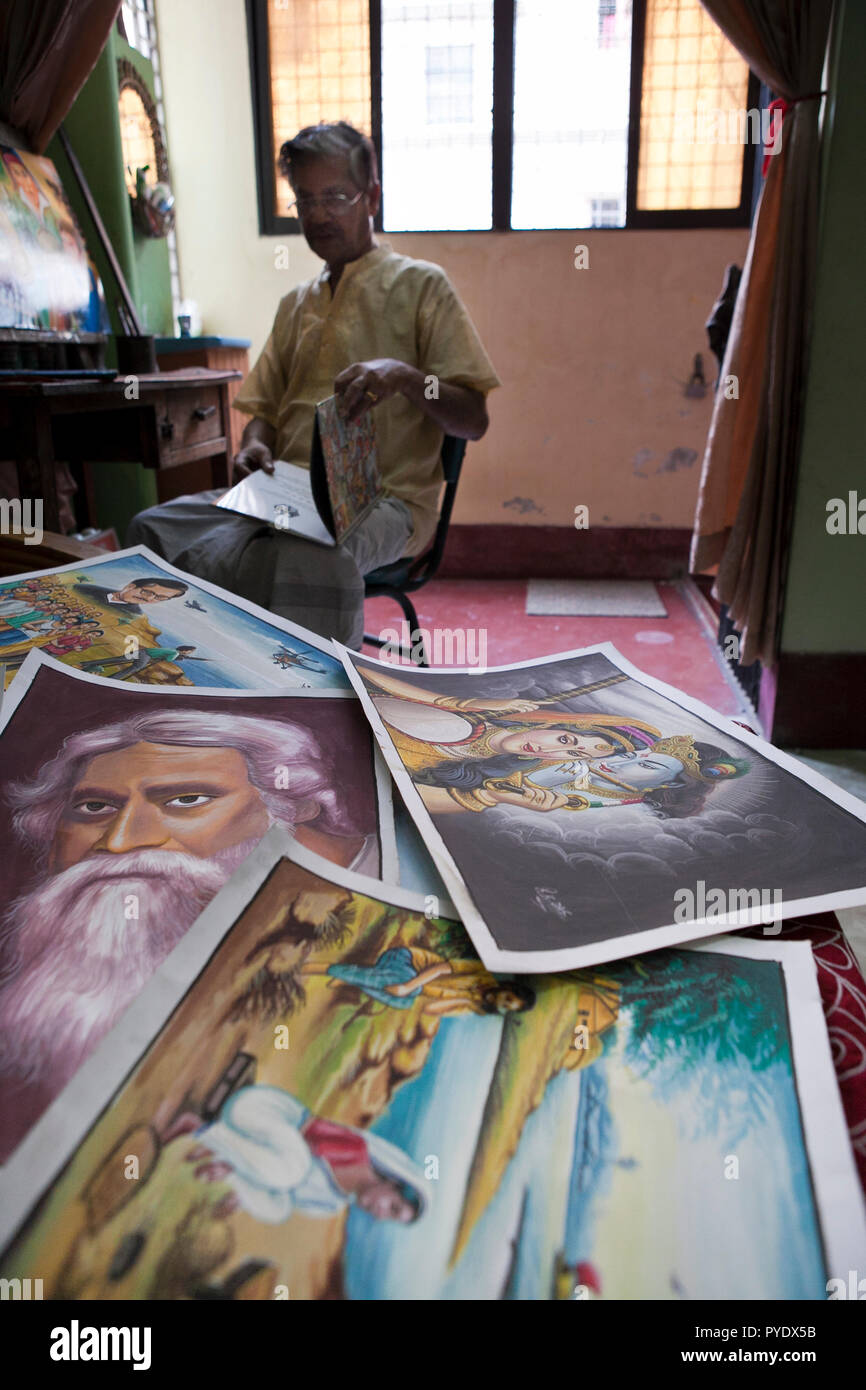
x=679 y=649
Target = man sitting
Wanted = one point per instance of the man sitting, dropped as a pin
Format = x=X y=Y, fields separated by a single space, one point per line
x=383 y=332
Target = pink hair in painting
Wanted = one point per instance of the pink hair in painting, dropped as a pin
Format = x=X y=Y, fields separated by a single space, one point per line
x=284 y=764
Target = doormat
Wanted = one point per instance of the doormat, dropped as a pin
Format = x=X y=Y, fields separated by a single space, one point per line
x=609 y=598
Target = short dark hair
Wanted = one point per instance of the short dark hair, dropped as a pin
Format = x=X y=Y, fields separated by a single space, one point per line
x=156 y=579
x=331 y=140
x=525 y=993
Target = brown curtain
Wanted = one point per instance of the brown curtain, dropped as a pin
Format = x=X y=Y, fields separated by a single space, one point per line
x=47 y=51
x=745 y=503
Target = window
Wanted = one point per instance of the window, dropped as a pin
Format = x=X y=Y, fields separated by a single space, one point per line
x=319 y=71
x=606 y=212
x=138 y=134
x=571 y=105
x=695 y=94
x=514 y=114
x=136 y=20
x=436 y=126
x=142 y=116
x=607 y=21
x=448 y=70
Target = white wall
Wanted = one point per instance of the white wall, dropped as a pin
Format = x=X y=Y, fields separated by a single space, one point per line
x=224 y=264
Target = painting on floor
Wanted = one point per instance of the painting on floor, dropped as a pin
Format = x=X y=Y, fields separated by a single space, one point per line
x=338 y=1101
x=122 y=811
x=131 y=617
x=579 y=811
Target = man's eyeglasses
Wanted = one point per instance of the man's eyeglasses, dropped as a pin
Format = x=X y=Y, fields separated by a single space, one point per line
x=335 y=204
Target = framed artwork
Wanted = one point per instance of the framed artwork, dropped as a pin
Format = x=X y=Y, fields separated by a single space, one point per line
x=47 y=279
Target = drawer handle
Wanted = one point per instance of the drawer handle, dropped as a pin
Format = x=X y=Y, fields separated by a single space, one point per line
x=202 y=412
x=166 y=428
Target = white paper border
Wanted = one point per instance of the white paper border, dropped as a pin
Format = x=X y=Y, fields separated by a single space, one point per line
x=312 y=639
x=56 y=1136
x=53 y=1139
x=836 y=1185
x=35 y=660
x=616 y=947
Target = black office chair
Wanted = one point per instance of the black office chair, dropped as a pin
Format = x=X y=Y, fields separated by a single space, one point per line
x=404 y=576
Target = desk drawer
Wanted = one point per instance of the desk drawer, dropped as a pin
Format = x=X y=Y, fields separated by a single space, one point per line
x=190 y=417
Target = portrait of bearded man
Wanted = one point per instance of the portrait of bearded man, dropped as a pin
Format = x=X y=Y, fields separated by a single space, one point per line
x=134 y=826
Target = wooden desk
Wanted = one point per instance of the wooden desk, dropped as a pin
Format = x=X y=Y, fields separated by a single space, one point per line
x=163 y=421
x=223 y=354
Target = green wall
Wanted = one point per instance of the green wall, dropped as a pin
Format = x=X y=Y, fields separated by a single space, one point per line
x=152 y=293
x=93 y=128
x=825 y=602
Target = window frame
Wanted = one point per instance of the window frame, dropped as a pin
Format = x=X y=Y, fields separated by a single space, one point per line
x=671 y=218
x=501 y=143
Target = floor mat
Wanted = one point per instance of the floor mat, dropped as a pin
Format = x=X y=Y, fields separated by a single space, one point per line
x=604 y=598
x=680 y=649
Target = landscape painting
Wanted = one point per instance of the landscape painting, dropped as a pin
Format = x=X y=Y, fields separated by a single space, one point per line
x=131 y=617
x=338 y=1101
x=579 y=812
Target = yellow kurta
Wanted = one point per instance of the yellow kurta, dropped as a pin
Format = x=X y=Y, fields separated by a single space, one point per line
x=385 y=305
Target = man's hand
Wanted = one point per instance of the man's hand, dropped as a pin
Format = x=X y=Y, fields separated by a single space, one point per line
x=457 y=410
x=365 y=384
x=250 y=457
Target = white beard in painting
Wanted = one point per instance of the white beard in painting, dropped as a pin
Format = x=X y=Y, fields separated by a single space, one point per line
x=110 y=903
x=87 y=940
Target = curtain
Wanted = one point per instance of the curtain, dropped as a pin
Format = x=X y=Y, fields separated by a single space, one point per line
x=47 y=51
x=745 y=502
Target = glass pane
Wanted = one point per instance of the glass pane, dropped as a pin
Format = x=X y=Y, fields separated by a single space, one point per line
x=320 y=70
x=694 y=120
x=136 y=138
x=572 y=67
x=137 y=20
x=437 y=103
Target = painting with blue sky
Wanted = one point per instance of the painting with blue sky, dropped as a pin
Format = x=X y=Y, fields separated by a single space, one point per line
x=624 y=1184
x=130 y=616
x=340 y=1102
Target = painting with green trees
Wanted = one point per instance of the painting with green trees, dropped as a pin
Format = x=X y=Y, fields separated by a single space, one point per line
x=340 y=1102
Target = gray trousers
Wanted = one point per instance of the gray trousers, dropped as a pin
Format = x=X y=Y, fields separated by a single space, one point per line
x=320 y=587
